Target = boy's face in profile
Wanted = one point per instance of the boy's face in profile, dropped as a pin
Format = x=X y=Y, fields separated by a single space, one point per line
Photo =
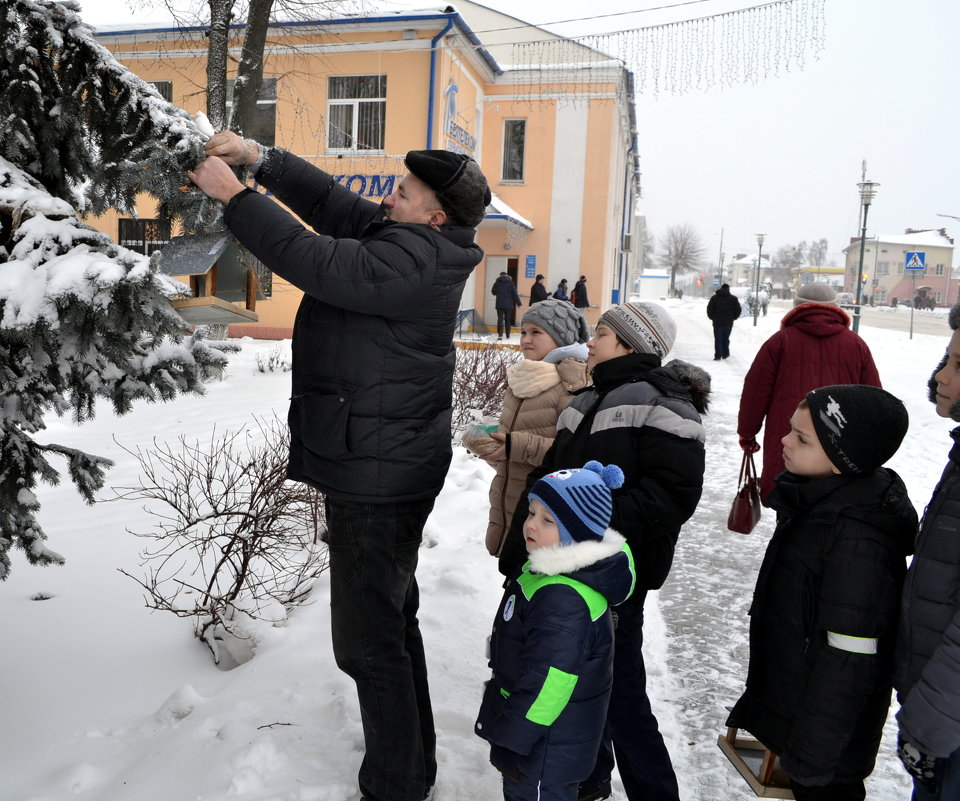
x=948 y=378
x=540 y=529
x=803 y=455
x=604 y=346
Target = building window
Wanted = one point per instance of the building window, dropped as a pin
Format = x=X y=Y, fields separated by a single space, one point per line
x=264 y=128
x=883 y=268
x=143 y=236
x=165 y=88
x=939 y=270
x=356 y=112
x=514 y=136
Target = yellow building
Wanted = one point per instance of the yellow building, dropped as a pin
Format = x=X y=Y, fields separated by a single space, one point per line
x=551 y=122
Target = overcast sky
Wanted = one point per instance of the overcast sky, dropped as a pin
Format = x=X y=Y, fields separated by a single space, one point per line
x=783 y=156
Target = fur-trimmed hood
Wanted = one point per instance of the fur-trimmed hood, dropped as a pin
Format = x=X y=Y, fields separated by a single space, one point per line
x=605 y=566
x=695 y=379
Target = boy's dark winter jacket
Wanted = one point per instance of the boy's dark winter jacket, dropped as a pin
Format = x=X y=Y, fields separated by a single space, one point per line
x=551 y=652
x=645 y=419
x=927 y=663
x=835 y=564
x=373 y=353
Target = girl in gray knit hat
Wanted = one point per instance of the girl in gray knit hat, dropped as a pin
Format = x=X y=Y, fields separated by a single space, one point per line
x=539 y=387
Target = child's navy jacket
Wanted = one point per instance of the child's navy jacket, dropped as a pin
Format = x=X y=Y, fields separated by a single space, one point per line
x=551 y=651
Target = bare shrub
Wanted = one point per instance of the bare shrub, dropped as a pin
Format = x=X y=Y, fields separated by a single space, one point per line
x=479 y=381
x=278 y=358
x=234 y=541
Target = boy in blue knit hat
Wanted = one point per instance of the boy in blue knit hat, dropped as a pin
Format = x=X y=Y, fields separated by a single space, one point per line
x=551 y=649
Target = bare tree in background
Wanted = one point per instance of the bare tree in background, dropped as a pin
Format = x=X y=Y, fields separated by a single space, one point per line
x=249 y=74
x=681 y=251
x=817 y=252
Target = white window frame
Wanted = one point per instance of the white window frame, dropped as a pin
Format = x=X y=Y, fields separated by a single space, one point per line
x=523 y=158
x=355 y=116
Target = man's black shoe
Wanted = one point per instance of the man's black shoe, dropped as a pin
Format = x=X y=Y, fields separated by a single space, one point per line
x=585 y=793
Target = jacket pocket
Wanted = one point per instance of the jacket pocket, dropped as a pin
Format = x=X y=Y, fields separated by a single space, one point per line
x=324 y=421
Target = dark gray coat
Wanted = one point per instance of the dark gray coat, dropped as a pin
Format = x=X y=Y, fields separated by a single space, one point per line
x=373 y=352
x=927 y=661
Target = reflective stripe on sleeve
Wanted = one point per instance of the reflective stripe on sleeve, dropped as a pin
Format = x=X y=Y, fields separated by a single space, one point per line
x=855 y=645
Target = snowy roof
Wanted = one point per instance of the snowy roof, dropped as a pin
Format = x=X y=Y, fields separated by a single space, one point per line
x=931 y=239
x=499 y=209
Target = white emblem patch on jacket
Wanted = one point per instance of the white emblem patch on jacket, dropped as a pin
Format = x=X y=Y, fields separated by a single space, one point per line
x=509 y=606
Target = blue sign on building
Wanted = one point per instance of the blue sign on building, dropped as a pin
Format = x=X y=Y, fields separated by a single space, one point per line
x=530 y=269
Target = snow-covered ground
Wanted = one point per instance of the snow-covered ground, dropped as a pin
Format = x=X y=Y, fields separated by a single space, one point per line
x=106 y=701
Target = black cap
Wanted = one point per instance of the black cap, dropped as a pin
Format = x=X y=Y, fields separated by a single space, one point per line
x=460 y=185
x=539 y=277
x=859 y=427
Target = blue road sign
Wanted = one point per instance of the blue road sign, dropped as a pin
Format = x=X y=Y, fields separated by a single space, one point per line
x=915 y=260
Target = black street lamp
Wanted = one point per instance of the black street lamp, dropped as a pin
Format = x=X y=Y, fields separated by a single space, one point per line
x=756 y=291
x=868 y=191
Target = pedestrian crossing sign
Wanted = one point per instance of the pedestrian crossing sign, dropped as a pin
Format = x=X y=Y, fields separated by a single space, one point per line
x=915 y=259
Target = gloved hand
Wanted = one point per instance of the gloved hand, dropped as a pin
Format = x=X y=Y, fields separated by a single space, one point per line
x=923 y=768
x=511 y=772
x=749 y=444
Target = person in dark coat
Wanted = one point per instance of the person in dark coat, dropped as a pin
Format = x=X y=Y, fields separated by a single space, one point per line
x=370 y=410
x=538 y=291
x=561 y=291
x=927 y=661
x=644 y=417
x=813 y=348
x=507 y=301
x=723 y=309
x=551 y=650
x=579 y=295
x=824 y=612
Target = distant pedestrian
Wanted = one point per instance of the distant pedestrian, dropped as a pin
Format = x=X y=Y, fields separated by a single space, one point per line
x=722 y=309
x=823 y=621
x=561 y=291
x=893 y=303
x=508 y=299
x=579 y=294
x=538 y=291
x=813 y=348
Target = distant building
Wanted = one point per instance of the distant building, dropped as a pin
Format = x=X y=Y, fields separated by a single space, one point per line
x=884 y=264
x=551 y=122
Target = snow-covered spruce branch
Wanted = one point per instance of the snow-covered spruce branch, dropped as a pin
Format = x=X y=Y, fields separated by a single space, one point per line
x=233 y=541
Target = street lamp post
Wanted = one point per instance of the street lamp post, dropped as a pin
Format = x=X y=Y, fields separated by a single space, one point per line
x=756 y=291
x=868 y=191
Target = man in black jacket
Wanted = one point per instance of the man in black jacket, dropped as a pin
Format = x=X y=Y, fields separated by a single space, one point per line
x=538 y=291
x=370 y=410
x=723 y=309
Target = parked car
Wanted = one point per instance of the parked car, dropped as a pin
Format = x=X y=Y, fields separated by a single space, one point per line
x=847 y=300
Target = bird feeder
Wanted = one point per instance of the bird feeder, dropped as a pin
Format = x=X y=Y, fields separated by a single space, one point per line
x=219 y=272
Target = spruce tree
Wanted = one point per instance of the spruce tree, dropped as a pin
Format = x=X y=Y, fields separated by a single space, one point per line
x=81 y=318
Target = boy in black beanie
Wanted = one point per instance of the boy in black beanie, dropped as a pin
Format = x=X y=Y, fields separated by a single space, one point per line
x=824 y=613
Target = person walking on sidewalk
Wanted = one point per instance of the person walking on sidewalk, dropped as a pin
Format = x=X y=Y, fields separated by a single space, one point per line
x=507 y=302
x=723 y=309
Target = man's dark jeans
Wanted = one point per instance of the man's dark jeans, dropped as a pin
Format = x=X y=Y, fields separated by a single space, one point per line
x=503 y=322
x=376 y=641
x=721 y=340
x=631 y=731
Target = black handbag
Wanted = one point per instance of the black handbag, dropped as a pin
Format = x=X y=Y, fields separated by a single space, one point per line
x=745 y=510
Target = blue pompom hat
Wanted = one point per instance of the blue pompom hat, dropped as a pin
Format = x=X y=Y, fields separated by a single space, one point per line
x=580 y=500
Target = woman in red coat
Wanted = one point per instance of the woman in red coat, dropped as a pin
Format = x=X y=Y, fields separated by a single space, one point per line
x=813 y=348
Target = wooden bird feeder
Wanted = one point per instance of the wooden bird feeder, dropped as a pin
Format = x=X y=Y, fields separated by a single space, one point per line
x=757 y=764
x=218 y=272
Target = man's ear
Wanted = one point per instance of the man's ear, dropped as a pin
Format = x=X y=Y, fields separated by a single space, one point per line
x=437 y=217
